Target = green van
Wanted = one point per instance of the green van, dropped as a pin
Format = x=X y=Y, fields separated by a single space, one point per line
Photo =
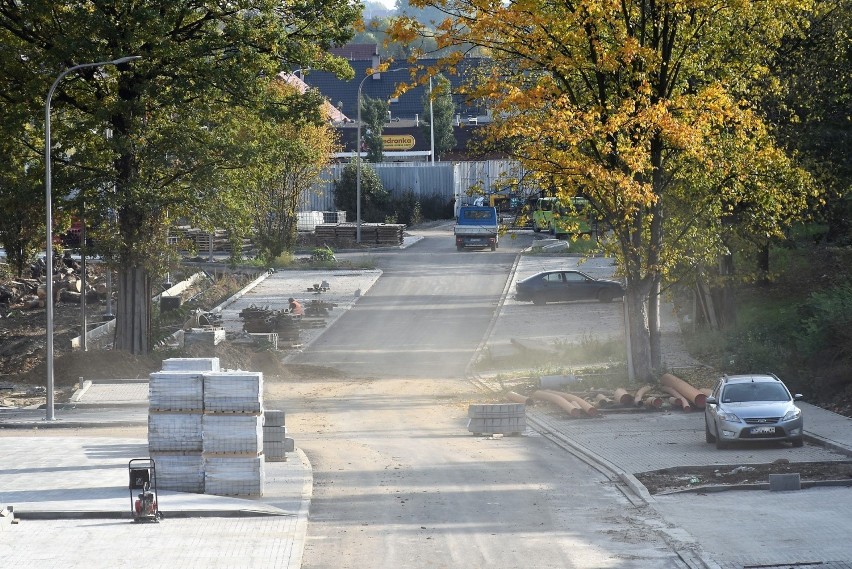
x=559 y=220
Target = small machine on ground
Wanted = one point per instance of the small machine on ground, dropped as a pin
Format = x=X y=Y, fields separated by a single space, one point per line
x=143 y=478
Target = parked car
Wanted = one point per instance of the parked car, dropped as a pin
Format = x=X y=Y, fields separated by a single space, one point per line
x=558 y=286
x=749 y=408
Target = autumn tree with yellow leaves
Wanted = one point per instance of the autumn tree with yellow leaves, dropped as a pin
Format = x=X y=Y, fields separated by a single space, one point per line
x=643 y=107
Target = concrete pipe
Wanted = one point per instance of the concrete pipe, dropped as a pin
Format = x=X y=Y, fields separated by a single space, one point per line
x=518 y=398
x=653 y=401
x=571 y=408
x=640 y=395
x=590 y=409
x=680 y=400
x=602 y=400
x=692 y=395
x=623 y=397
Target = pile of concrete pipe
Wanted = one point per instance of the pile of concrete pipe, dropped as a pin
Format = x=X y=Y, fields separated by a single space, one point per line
x=671 y=393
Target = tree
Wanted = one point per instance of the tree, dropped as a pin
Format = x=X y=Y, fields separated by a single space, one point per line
x=374 y=197
x=444 y=108
x=173 y=134
x=807 y=98
x=626 y=103
x=297 y=155
x=374 y=114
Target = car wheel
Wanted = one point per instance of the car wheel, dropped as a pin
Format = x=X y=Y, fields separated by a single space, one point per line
x=536 y=229
x=494 y=247
x=539 y=301
x=798 y=442
x=708 y=436
x=605 y=296
x=459 y=247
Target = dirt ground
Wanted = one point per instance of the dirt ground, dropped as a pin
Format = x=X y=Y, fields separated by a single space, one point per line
x=694 y=478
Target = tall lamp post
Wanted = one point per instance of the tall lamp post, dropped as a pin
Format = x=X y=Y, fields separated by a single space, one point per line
x=358 y=159
x=49 y=249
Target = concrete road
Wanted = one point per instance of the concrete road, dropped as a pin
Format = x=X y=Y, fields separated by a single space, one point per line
x=424 y=317
x=398 y=479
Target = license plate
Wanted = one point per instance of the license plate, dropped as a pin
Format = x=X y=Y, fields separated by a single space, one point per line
x=763 y=430
x=476 y=240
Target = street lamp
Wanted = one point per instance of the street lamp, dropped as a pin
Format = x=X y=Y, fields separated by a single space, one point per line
x=49 y=249
x=358 y=159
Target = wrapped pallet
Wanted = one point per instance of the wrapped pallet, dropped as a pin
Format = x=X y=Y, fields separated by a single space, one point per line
x=176 y=391
x=233 y=392
x=171 y=432
x=190 y=364
x=234 y=475
x=232 y=434
x=180 y=472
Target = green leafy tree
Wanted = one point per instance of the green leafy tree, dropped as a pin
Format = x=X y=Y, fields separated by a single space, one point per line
x=374 y=197
x=442 y=105
x=174 y=138
x=296 y=156
x=808 y=98
x=374 y=114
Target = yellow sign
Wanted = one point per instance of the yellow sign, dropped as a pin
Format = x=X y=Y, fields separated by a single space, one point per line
x=398 y=141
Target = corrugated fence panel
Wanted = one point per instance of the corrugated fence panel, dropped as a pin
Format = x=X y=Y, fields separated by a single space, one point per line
x=446 y=179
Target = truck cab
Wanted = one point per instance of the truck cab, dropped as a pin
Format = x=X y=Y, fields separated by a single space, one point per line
x=476 y=226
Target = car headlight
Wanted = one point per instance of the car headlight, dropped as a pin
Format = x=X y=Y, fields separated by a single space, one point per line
x=794 y=413
x=729 y=417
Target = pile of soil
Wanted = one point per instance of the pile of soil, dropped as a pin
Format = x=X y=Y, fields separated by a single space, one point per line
x=694 y=478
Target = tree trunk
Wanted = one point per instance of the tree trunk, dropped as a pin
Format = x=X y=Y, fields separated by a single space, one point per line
x=640 y=344
x=655 y=336
x=133 y=311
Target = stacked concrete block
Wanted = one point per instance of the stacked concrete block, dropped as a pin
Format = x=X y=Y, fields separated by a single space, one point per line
x=176 y=403
x=232 y=434
x=276 y=444
x=233 y=392
x=204 y=337
x=180 y=471
x=191 y=364
x=176 y=391
x=232 y=431
x=174 y=432
x=234 y=475
x=205 y=430
x=500 y=418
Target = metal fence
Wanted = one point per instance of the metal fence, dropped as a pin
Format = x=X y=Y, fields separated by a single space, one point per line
x=423 y=179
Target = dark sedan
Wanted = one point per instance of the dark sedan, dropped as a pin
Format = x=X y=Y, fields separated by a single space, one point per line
x=558 y=286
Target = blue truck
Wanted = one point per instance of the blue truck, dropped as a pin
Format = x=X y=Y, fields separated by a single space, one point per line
x=476 y=226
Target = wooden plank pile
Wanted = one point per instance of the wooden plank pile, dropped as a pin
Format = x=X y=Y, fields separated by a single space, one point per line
x=377 y=233
x=186 y=237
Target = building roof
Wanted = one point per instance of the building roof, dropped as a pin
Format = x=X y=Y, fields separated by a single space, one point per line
x=343 y=95
x=357 y=51
x=333 y=112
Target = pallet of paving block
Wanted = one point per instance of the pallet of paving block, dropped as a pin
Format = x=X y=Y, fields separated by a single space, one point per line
x=277 y=452
x=498 y=410
x=313 y=322
x=170 y=431
x=179 y=471
x=234 y=475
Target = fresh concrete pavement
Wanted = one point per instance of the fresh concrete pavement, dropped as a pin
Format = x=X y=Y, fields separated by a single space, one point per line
x=71 y=497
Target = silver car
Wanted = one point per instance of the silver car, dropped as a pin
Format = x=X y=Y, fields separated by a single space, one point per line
x=748 y=408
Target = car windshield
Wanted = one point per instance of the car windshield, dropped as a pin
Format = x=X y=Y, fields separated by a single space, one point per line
x=744 y=392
